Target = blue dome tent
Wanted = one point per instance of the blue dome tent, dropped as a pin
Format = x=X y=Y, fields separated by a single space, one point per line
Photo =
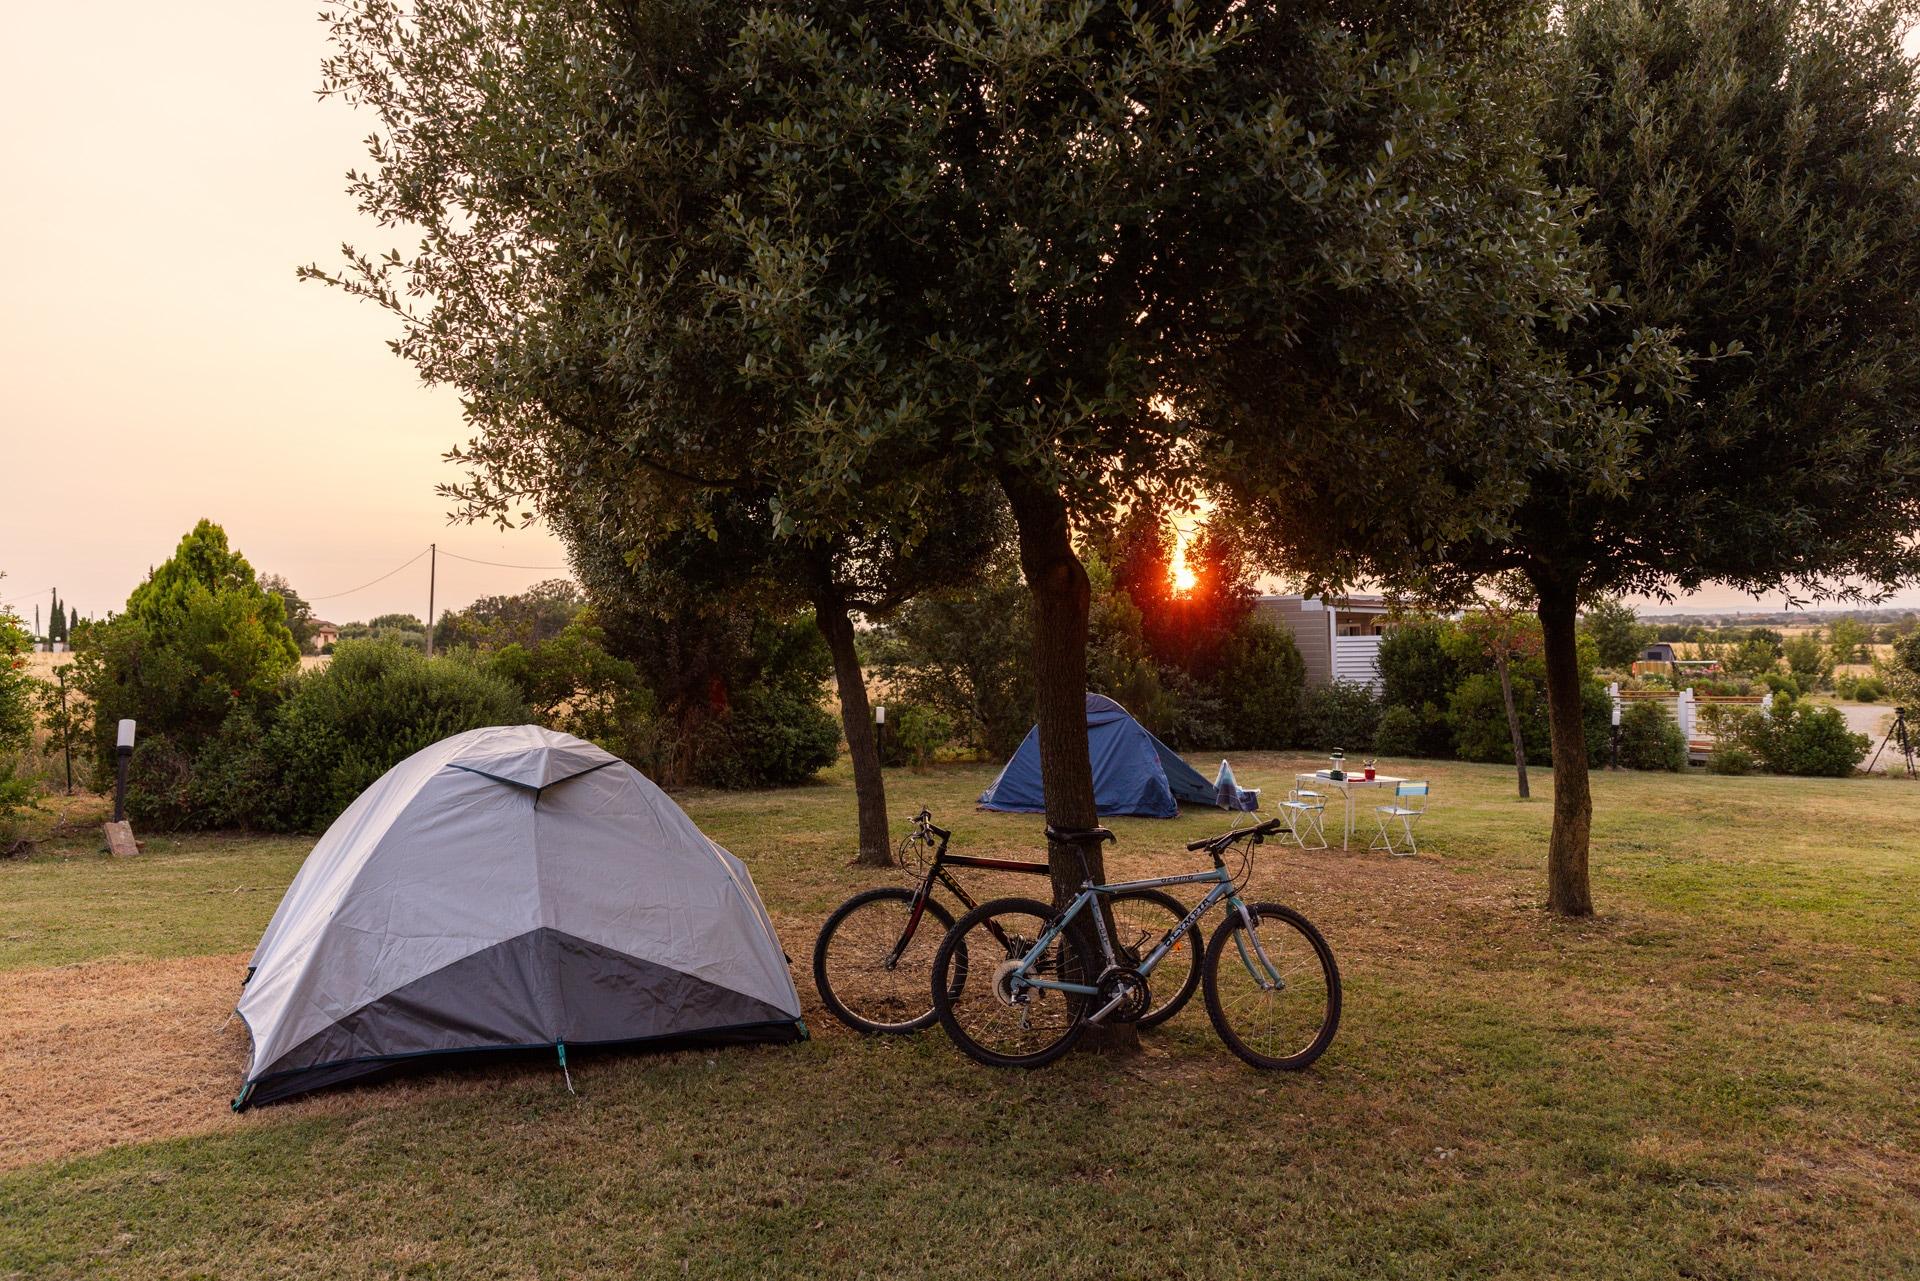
x=1134 y=773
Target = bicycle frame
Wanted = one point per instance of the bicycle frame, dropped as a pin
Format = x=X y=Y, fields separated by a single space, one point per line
x=937 y=872
x=1219 y=877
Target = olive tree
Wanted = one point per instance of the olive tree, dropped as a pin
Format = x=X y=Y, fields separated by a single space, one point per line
x=1750 y=228
x=852 y=258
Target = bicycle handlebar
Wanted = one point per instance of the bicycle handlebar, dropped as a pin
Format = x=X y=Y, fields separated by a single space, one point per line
x=1259 y=832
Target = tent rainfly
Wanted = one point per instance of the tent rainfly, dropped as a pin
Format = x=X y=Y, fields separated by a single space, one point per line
x=508 y=889
x=1133 y=772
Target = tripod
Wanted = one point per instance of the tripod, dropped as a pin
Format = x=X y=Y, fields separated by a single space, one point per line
x=1902 y=739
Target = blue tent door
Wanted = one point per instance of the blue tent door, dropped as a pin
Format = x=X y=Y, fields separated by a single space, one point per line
x=1134 y=773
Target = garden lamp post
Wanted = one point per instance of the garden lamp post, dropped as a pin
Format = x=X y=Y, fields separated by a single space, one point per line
x=1614 y=762
x=123 y=753
x=880 y=728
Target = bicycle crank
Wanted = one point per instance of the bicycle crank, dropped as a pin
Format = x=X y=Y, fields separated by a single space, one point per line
x=1123 y=996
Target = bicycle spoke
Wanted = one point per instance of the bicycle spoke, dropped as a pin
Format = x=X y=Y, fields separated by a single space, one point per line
x=991 y=1007
x=867 y=979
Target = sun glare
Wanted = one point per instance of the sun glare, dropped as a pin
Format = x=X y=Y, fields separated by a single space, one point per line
x=1184 y=579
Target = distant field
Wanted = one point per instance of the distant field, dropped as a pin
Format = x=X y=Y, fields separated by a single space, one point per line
x=1714 y=1079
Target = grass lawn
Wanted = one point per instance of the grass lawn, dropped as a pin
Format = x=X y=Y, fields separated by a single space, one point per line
x=1717 y=1077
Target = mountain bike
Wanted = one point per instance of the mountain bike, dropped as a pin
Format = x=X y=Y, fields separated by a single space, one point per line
x=1016 y=982
x=873 y=960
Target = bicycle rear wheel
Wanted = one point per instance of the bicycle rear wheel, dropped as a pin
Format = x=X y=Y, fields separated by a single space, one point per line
x=989 y=1013
x=861 y=981
x=1280 y=1012
x=1141 y=918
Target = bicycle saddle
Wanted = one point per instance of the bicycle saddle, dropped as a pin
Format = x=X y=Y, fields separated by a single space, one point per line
x=1091 y=836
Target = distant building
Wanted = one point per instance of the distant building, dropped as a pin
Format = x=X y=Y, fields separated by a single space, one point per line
x=324 y=634
x=1661 y=653
x=1339 y=639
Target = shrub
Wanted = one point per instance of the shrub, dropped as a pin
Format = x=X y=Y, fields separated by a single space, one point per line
x=574 y=684
x=1479 y=715
x=1730 y=758
x=775 y=732
x=914 y=735
x=374 y=705
x=1794 y=738
x=1261 y=680
x=201 y=653
x=967 y=653
x=1419 y=670
x=1650 y=739
x=1344 y=715
x=17 y=792
x=1398 y=733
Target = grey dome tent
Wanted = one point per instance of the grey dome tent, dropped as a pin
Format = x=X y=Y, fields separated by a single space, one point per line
x=1133 y=772
x=507 y=889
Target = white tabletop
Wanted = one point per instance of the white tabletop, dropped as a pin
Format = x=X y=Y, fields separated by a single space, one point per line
x=1358 y=780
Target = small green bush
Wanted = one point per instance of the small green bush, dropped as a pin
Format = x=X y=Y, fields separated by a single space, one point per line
x=1730 y=758
x=1343 y=715
x=1398 y=733
x=1650 y=739
x=1794 y=738
x=1260 y=683
x=914 y=735
x=374 y=705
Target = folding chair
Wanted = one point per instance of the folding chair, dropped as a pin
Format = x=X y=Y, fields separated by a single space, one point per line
x=1409 y=803
x=1305 y=813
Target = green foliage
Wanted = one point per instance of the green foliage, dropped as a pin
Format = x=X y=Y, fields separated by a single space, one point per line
x=1847 y=641
x=1419 y=670
x=1344 y=715
x=1807 y=660
x=914 y=735
x=1651 y=739
x=1398 y=733
x=1794 y=738
x=198 y=660
x=17 y=791
x=1478 y=714
x=967 y=654
x=1754 y=657
x=348 y=723
x=1730 y=758
x=1904 y=670
x=776 y=733
x=1617 y=634
x=574 y=684
x=528 y=618
x=1261 y=680
x=300 y=618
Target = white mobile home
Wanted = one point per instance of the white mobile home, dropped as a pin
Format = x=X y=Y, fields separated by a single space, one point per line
x=1339 y=638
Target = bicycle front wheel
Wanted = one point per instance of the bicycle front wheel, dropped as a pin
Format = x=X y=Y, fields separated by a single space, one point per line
x=984 y=1003
x=1273 y=993
x=862 y=980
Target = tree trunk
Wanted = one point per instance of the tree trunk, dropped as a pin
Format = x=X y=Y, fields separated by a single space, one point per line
x=1568 y=893
x=1058 y=584
x=856 y=721
x=1513 y=722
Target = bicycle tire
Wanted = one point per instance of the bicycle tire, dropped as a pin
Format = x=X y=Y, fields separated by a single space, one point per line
x=960 y=963
x=839 y=999
x=1195 y=946
x=1328 y=971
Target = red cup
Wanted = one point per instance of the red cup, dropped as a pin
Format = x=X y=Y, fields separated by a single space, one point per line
x=1369 y=773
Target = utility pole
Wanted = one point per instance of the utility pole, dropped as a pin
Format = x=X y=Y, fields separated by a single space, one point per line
x=433 y=570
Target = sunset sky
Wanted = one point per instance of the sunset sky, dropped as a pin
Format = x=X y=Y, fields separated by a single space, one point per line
x=166 y=169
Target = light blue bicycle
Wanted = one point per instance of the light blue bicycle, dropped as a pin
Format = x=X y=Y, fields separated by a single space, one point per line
x=1016 y=983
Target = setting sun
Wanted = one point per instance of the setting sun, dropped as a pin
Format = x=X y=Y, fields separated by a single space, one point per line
x=1184 y=579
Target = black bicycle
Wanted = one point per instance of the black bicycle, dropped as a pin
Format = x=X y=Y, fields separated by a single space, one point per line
x=873 y=961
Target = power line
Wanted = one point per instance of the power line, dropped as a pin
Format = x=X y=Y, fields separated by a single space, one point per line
x=383 y=578
x=501 y=564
